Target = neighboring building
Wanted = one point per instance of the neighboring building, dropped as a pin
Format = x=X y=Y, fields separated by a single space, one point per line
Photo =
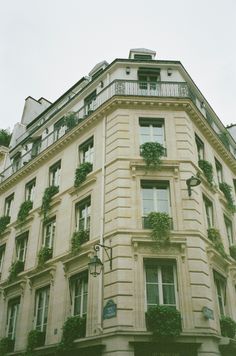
x=117 y=108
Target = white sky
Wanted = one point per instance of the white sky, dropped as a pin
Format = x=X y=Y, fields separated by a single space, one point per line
x=46 y=46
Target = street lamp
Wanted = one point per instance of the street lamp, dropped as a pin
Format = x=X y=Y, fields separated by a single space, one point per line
x=192 y=182
x=95 y=265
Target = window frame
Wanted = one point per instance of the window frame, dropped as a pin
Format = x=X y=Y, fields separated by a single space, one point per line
x=209 y=218
x=8 y=205
x=2 y=257
x=220 y=284
x=83 y=205
x=200 y=148
x=83 y=296
x=90 y=102
x=41 y=325
x=30 y=190
x=152 y=123
x=51 y=225
x=155 y=186
x=12 y=313
x=229 y=226
x=21 y=246
x=87 y=149
x=55 y=174
x=219 y=171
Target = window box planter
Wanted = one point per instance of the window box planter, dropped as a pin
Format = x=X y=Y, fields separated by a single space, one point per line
x=35 y=339
x=214 y=236
x=228 y=327
x=164 y=321
x=78 y=238
x=6 y=345
x=24 y=210
x=44 y=255
x=4 y=221
x=16 y=268
x=81 y=173
x=47 y=198
x=160 y=224
x=152 y=153
x=74 y=328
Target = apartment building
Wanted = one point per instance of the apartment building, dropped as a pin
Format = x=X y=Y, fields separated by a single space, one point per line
x=76 y=191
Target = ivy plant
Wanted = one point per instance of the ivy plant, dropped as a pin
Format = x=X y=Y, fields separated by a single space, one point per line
x=15 y=269
x=24 y=210
x=6 y=345
x=70 y=120
x=227 y=190
x=44 y=255
x=35 y=339
x=4 y=221
x=232 y=250
x=81 y=173
x=152 y=153
x=47 y=198
x=78 y=238
x=207 y=170
x=164 y=320
x=73 y=328
x=214 y=236
x=160 y=223
x=228 y=327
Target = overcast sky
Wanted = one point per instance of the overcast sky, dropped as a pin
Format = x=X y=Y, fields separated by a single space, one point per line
x=46 y=46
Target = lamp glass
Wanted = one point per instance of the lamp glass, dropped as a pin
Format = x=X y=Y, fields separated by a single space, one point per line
x=95 y=266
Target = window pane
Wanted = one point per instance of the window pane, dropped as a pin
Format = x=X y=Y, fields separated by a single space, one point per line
x=167 y=274
x=169 y=294
x=152 y=294
x=151 y=275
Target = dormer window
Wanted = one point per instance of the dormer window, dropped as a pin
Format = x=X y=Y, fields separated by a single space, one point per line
x=148 y=78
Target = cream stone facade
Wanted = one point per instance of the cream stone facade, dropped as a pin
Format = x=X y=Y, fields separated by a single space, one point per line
x=117 y=107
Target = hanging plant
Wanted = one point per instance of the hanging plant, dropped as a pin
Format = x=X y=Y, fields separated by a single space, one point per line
x=44 y=255
x=47 y=198
x=24 y=210
x=160 y=223
x=70 y=120
x=74 y=328
x=164 y=321
x=227 y=190
x=78 y=238
x=4 y=221
x=15 y=269
x=81 y=173
x=228 y=327
x=232 y=251
x=207 y=170
x=214 y=236
x=152 y=153
x=35 y=339
x=6 y=345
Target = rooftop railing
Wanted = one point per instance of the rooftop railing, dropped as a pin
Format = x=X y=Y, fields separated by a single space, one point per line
x=116 y=88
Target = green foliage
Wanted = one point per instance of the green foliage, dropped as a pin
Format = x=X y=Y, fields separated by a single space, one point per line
x=232 y=250
x=82 y=172
x=6 y=345
x=73 y=328
x=164 y=321
x=152 y=153
x=4 y=221
x=223 y=136
x=70 y=120
x=44 y=255
x=35 y=339
x=227 y=190
x=207 y=170
x=5 y=137
x=15 y=269
x=24 y=210
x=160 y=223
x=78 y=238
x=47 y=197
x=228 y=327
x=214 y=236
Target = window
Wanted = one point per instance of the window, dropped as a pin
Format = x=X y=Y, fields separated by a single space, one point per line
x=36 y=147
x=148 y=78
x=30 y=190
x=12 y=314
x=83 y=212
x=86 y=151
x=151 y=130
x=208 y=212
x=220 y=285
x=219 y=171
x=161 y=283
x=200 y=147
x=90 y=103
x=155 y=196
x=42 y=301
x=229 y=230
x=59 y=129
x=79 y=293
x=21 y=246
x=16 y=162
x=2 y=254
x=8 y=205
x=49 y=233
x=54 y=174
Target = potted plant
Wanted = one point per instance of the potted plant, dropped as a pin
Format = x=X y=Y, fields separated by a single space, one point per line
x=24 y=210
x=227 y=190
x=6 y=345
x=207 y=170
x=160 y=224
x=74 y=328
x=35 y=339
x=227 y=326
x=81 y=173
x=70 y=120
x=164 y=320
x=152 y=153
x=214 y=236
x=78 y=238
x=15 y=269
x=47 y=198
x=44 y=255
x=4 y=221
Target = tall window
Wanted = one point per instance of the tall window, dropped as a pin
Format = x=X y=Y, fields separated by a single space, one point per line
x=36 y=147
x=161 y=283
x=208 y=212
x=2 y=254
x=155 y=196
x=42 y=301
x=30 y=190
x=229 y=230
x=21 y=246
x=16 y=162
x=148 y=78
x=8 y=205
x=83 y=212
x=54 y=174
x=220 y=286
x=90 y=103
x=219 y=171
x=200 y=147
x=86 y=151
x=79 y=294
x=12 y=315
x=49 y=233
x=151 y=130
x=59 y=129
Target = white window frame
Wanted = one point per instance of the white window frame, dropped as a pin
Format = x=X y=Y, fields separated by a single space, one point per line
x=55 y=174
x=41 y=326
x=2 y=256
x=30 y=190
x=220 y=288
x=83 y=206
x=49 y=231
x=8 y=205
x=219 y=171
x=12 y=313
x=21 y=245
x=200 y=147
x=80 y=278
x=157 y=185
x=209 y=213
x=229 y=230
x=151 y=123
x=86 y=151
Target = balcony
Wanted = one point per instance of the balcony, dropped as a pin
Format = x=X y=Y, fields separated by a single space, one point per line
x=116 y=88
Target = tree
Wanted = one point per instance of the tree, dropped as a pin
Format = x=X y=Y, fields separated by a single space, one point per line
x=5 y=137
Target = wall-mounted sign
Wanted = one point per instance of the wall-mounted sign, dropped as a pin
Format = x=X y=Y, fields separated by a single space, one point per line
x=208 y=313
x=110 y=309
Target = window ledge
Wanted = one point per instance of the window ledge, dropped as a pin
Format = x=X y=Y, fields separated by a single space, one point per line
x=41 y=273
x=215 y=256
x=8 y=287
x=18 y=225
x=166 y=164
x=90 y=179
